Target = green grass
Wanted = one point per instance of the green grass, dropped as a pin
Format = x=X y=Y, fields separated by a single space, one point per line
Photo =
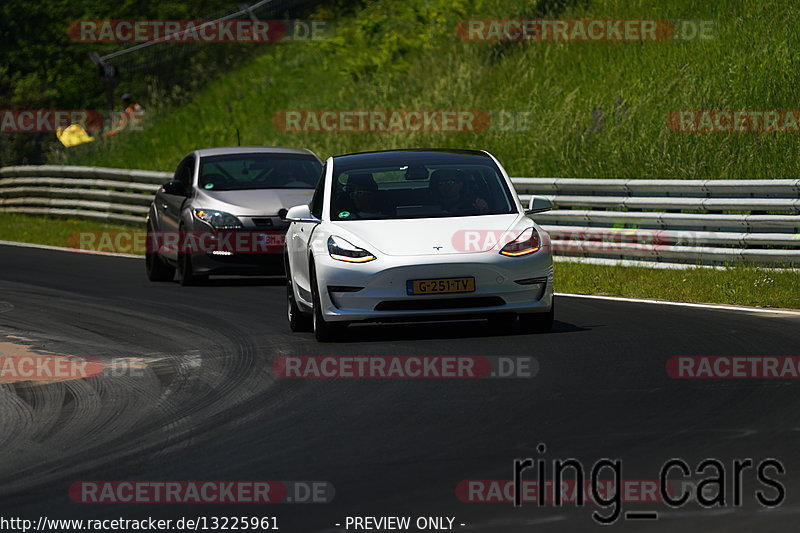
x=738 y=285
x=52 y=231
x=597 y=109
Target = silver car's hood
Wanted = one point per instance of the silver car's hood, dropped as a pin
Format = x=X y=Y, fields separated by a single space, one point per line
x=251 y=202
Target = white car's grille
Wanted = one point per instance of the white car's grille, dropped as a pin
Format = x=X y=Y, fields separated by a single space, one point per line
x=439 y=303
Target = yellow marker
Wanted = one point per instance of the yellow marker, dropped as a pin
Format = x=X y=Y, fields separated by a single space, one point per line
x=73 y=135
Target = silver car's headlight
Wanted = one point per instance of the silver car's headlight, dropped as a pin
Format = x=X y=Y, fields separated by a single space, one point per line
x=341 y=250
x=218 y=219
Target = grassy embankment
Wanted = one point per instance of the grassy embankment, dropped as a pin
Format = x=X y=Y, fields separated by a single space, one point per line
x=596 y=109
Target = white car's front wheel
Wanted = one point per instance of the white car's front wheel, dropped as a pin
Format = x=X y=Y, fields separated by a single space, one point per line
x=323 y=331
x=298 y=321
x=538 y=322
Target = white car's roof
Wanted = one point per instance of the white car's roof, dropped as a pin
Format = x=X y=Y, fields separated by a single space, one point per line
x=377 y=157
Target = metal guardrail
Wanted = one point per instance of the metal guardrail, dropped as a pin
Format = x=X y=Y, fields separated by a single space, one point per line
x=679 y=222
x=111 y=194
x=672 y=222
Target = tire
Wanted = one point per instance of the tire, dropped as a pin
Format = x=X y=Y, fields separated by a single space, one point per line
x=298 y=321
x=538 y=322
x=323 y=331
x=186 y=271
x=157 y=269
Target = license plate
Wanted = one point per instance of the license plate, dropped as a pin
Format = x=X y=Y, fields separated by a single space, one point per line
x=270 y=239
x=440 y=285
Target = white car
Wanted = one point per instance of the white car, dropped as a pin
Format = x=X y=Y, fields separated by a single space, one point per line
x=410 y=235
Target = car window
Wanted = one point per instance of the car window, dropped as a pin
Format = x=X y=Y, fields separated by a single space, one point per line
x=429 y=190
x=237 y=172
x=316 y=201
x=184 y=172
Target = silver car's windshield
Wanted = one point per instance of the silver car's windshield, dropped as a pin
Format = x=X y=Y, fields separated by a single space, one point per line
x=237 y=172
x=428 y=189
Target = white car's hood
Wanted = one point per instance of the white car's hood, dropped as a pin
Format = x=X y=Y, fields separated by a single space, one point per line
x=428 y=236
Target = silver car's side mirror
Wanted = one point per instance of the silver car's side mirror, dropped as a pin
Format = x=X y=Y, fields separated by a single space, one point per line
x=175 y=188
x=301 y=213
x=538 y=204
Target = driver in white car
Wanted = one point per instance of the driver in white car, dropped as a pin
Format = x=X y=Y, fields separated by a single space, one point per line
x=363 y=192
x=449 y=188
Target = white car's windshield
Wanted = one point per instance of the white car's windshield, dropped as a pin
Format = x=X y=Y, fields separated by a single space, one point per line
x=418 y=185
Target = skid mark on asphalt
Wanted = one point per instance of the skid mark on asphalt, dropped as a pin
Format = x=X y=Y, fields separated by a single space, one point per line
x=171 y=376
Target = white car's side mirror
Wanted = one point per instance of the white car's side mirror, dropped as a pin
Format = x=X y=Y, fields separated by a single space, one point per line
x=538 y=204
x=300 y=213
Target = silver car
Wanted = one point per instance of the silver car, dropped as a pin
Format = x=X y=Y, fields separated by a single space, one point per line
x=224 y=212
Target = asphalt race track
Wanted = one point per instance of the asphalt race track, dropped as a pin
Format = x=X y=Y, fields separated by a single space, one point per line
x=204 y=404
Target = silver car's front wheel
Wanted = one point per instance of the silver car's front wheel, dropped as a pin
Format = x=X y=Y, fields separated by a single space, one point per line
x=186 y=271
x=157 y=269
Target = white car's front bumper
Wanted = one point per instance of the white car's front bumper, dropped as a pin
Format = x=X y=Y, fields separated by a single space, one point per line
x=384 y=296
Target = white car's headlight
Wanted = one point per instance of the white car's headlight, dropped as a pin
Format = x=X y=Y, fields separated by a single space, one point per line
x=218 y=219
x=341 y=250
x=526 y=243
